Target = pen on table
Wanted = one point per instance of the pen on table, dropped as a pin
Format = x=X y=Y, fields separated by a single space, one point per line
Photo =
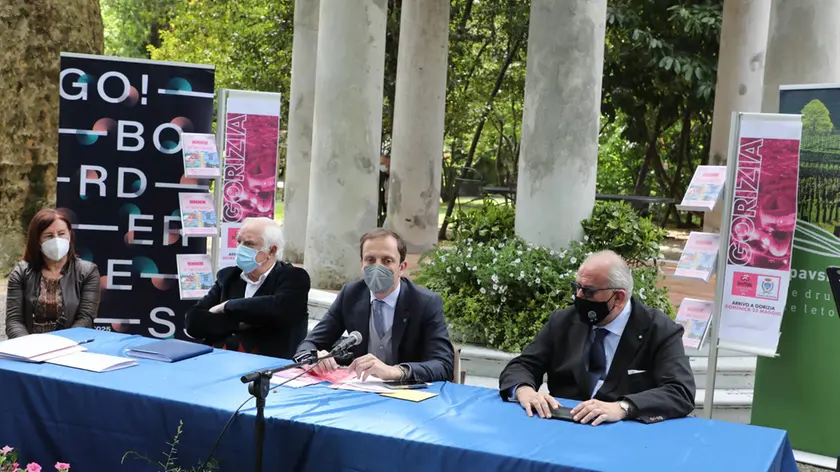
x=86 y=341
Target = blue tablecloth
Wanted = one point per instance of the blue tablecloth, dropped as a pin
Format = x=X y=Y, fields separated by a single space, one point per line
x=53 y=413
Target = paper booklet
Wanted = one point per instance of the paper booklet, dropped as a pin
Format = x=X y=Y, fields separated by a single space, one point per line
x=93 y=362
x=38 y=347
x=198 y=215
x=694 y=316
x=195 y=275
x=699 y=256
x=705 y=189
x=201 y=158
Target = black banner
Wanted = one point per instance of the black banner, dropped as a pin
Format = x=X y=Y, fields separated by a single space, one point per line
x=119 y=174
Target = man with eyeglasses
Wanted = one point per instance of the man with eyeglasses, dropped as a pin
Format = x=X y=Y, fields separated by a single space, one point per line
x=622 y=359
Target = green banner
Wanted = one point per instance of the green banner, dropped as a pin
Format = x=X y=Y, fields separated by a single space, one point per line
x=800 y=390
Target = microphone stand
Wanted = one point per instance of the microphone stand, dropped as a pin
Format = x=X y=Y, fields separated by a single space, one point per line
x=258 y=386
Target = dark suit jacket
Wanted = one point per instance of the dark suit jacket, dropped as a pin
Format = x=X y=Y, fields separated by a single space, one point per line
x=419 y=337
x=79 y=290
x=651 y=342
x=272 y=322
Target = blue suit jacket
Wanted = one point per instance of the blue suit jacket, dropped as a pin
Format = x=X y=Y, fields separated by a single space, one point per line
x=419 y=337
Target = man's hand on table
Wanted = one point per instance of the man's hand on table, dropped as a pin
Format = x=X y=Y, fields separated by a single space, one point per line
x=598 y=412
x=325 y=366
x=369 y=365
x=533 y=401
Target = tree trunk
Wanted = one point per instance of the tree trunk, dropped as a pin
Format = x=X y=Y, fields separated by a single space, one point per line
x=500 y=78
x=34 y=34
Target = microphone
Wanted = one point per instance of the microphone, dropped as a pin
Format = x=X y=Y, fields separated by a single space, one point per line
x=351 y=340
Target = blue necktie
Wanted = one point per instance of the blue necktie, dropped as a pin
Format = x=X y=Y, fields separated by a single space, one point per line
x=598 y=357
x=378 y=317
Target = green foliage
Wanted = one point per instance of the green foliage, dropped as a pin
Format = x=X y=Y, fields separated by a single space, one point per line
x=170 y=457
x=131 y=26
x=816 y=118
x=490 y=221
x=617 y=226
x=499 y=292
x=249 y=42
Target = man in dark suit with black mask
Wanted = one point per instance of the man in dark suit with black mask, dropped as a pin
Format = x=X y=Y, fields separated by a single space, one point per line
x=621 y=358
x=404 y=334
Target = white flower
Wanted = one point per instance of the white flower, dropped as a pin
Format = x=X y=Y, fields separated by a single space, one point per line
x=503 y=288
x=495 y=287
x=521 y=274
x=573 y=260
x=510 y=275
x=480 y=244
x=503 y=299
x=458 y=269
x=482 y=290
x=501 y=245
x=586 y=238
x=495 y=259
x=519 y=252
x=537 y=270
x=517 y=261
x=495 y=278
x=537 y=280
x=449 y=270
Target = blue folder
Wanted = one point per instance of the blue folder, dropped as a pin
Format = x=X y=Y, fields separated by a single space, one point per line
x=169 y=350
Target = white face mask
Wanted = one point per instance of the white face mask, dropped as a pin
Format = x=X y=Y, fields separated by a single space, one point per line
x=55 y=248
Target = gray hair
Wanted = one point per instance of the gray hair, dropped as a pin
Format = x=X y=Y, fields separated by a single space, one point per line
x=272 y=234
x=619 y=275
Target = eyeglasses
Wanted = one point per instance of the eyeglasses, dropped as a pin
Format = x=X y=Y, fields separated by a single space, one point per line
x=588 y=292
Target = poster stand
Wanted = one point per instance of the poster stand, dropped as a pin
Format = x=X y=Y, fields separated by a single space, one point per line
x=716 y=320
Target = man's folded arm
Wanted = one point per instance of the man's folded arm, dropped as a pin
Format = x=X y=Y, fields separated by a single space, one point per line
x=286 y=305
x=203 y=325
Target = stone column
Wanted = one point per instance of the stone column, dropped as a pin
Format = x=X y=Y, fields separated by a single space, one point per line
x=558 y=160
x=347 y=129
x=299 y=144
x=417 y=147
x=740 y=79
x=803 y=47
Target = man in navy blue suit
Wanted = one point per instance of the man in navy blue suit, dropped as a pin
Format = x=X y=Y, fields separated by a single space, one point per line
x=404 y=334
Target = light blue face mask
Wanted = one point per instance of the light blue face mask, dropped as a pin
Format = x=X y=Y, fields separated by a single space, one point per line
x=378 y=278
x=246 y=259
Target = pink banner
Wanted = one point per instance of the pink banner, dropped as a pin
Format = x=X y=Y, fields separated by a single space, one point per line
x=760 y=242
x=252 y=134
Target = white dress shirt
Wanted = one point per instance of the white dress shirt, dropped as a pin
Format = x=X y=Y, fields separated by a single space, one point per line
x=615 y=329
x=388 y=307
x=251 y=286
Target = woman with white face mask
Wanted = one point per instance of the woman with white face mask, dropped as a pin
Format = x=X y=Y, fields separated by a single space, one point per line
x=50 y=288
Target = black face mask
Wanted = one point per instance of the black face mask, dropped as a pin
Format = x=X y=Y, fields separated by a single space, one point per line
x=592 y=312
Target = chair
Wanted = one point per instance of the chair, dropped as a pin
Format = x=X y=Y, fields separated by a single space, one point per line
x=459 y=375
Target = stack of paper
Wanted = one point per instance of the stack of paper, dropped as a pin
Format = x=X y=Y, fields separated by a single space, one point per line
x=295 y=378
x=699 y=256
x=38 y=347
x=93 y=362
x=409 y=395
